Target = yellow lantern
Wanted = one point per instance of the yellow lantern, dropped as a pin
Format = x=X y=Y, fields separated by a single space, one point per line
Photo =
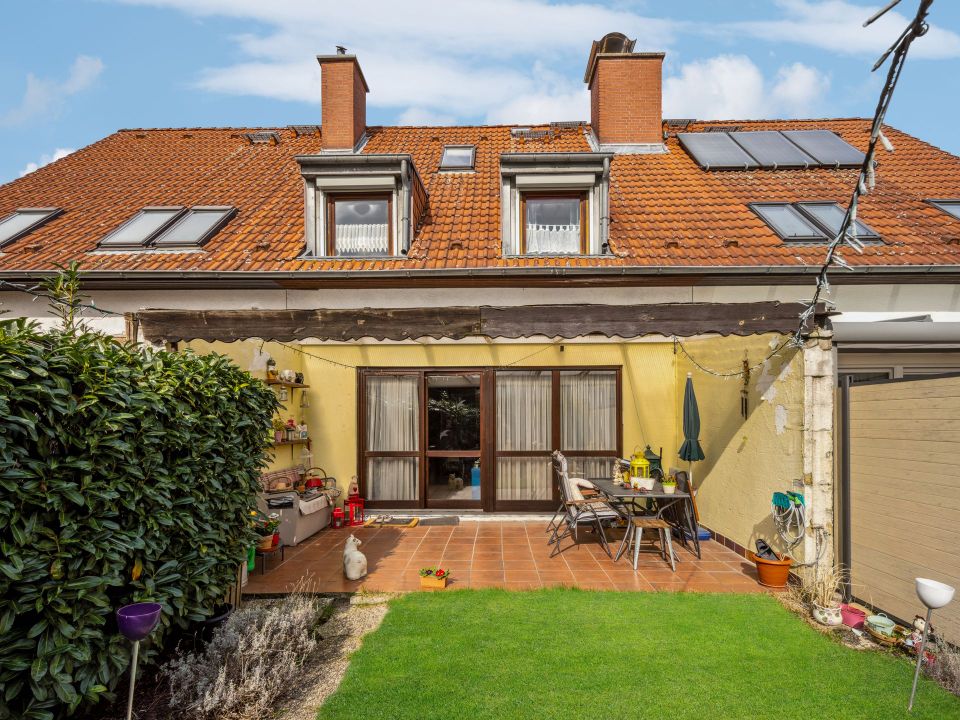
x=639 y=465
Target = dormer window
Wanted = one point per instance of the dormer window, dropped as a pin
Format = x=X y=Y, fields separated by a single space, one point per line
x=361 y=205
x=553 y=224
x=554 y=204
x=458 y=157
x=359 y=225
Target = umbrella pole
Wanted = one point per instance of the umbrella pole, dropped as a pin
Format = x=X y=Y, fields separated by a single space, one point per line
x=693 y=494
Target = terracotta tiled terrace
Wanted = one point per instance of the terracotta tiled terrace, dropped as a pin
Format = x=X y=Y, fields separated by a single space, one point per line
x=512 y=555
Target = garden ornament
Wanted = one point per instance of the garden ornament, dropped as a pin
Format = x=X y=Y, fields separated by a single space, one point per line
x=136 y=622
x=934 y=595
x=354 y=561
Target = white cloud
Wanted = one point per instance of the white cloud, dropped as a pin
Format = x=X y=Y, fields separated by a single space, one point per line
x=837 y=25
x=420 y=116
x=431 y=61
x=733 y=87
x=57 y=154
x=44 y=96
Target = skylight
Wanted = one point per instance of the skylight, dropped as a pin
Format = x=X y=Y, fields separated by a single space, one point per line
x=951 y=207
x=143 y=227
x=458 y=157
x=197 y=226
x=808 y=221
x=23 y=221
x=830 y=215
x=788 y=222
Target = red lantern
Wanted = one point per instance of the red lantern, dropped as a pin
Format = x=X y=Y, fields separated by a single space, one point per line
x=355 y=506
x=338 y=517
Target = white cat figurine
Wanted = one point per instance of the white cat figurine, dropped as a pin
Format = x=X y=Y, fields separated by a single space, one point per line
x=354 y=561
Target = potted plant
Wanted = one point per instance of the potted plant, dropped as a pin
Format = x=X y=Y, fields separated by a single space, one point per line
x=266 y=527
x=772 y=572
x=823 y=592
x=433 y=578
x=278 y=430
x=669 y=484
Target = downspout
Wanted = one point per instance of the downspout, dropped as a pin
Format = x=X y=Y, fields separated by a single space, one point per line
x=605 y=204
x=405 y=206
x=846 y=541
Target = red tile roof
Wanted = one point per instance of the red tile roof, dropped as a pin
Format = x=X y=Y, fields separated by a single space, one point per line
x=665 y=210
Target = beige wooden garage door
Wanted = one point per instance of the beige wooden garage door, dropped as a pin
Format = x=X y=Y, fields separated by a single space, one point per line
x=905 y=493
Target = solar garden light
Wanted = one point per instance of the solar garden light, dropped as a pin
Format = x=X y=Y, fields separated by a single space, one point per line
x=136 y=622
x=934 y=595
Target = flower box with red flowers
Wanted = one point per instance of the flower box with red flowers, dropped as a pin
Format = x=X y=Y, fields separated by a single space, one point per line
x=433 y=578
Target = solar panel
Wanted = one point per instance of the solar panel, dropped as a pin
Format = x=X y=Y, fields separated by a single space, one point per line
x=195 y=228
x=713 y=151
x=772 y=150
x=826 y=147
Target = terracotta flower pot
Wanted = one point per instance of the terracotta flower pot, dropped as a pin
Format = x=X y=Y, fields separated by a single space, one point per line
x=772 y=573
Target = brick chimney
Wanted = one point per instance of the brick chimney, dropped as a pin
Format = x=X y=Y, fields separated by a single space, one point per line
x=343 y=99
x=625 y=92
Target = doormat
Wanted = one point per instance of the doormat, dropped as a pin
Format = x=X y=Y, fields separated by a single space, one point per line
x=440 y=520
x=391 y=521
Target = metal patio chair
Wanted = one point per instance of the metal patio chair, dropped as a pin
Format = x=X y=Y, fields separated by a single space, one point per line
x=576 y=510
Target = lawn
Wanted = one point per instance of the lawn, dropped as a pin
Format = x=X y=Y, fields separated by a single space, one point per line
x=577 y=654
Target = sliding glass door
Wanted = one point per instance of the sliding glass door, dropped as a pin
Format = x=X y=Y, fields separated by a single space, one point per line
x=483 y=437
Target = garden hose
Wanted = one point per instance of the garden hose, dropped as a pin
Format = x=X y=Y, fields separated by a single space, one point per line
x=789 y=517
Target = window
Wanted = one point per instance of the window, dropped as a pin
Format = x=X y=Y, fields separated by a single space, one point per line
x=552 y=224
x=23 y=221
x=143 y=227
x=458 y=157
x=951 y=207
x=808 y=221
x=830 y=216
x=169 y=227
x=788 y=222
x=359 y=225
x=195 y=227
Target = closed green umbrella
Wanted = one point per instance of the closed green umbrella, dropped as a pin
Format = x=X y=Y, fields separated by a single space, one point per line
x=691 y=450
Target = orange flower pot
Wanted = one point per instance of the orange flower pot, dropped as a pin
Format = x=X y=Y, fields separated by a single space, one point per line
x=772 y=573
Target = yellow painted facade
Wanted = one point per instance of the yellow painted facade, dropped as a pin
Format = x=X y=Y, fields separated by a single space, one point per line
x=747 y=459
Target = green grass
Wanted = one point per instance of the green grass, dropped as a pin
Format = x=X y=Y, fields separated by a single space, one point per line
x=601 y=655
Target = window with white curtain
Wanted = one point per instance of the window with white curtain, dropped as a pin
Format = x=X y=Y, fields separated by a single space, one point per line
x=359 y=226
x=524 y=424
x=588 y=410
x=552 y=225
x=392 y=414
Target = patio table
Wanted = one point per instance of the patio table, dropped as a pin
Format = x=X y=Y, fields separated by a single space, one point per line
x=628 y=497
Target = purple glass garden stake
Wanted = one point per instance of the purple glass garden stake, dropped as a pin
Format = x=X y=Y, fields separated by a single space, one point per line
x=136 y=622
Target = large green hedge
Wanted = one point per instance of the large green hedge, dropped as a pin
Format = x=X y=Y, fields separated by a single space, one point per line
x=126 y=474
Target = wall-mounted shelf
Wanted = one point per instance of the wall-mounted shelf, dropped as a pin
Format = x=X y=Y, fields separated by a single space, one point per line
x=283 y=383
x=291 y=442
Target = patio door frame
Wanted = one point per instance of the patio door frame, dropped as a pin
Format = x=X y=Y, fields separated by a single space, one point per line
x=488 y=437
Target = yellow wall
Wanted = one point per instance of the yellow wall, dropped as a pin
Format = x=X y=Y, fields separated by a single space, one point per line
x=747 y=459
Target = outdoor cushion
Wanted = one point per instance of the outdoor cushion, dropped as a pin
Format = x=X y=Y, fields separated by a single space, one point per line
x=307 y=507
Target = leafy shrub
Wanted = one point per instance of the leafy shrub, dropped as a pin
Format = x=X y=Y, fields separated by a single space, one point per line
x=126 y=474
x=248 y=664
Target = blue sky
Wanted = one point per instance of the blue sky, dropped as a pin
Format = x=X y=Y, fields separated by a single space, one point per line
x=73 y=71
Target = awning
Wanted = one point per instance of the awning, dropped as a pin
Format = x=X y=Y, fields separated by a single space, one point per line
x=457 y=323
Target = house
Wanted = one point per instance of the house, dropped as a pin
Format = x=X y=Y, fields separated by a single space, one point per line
x=463 y=300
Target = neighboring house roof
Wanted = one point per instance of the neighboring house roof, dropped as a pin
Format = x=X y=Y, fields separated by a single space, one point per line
x=665 y=210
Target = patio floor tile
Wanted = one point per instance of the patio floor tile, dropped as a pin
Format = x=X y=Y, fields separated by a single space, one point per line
x=509 y=554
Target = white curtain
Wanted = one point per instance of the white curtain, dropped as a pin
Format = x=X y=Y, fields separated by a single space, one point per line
x=590 y=467
x=524 y=478
x=523 y=423
x=362 y=239
x=393 y=411
x=588 y=410
x=523 y=410
x=552 y=239
x=392 y=478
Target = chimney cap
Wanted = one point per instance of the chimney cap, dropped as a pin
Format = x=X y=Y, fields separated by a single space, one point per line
x=326 y=59
x=613 y=44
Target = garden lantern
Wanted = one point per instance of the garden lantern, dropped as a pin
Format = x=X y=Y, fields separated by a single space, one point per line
x=136 y=622
x=639 y=466
x=934 y=595
x=338 y=518
x=355 y=507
